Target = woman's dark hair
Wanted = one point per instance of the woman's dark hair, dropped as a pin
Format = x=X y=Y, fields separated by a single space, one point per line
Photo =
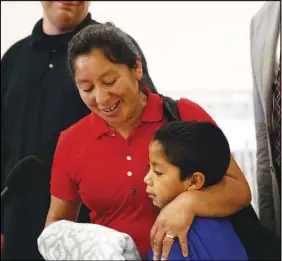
x=117 y=46
x=195 y=146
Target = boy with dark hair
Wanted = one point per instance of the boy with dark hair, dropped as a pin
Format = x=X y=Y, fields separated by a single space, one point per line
x=190 y=156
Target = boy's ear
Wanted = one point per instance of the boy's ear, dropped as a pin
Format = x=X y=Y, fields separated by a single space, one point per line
x=197 y=181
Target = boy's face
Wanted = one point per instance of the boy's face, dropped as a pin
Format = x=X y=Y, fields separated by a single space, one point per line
x=163 y=179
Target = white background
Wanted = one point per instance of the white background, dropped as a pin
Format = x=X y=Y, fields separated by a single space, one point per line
x=197 y=50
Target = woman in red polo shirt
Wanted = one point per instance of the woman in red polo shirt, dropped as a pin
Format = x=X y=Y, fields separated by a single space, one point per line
x=102 y=159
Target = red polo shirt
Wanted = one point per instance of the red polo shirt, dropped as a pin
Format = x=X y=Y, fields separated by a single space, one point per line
x=94 y=163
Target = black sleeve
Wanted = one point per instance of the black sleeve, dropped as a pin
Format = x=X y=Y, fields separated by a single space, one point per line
x=146 y=80
x=4 y=140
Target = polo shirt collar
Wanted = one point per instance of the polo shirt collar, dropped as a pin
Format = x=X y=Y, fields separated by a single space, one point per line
x=38 y=37
x=154 y=108
x=153 y=113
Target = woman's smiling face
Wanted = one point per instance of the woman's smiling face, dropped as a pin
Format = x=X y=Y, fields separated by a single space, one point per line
x=108 y=89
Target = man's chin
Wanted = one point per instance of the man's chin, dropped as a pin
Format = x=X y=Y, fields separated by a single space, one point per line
x=65 y=19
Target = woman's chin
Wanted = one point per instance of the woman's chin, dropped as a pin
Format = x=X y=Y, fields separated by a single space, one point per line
x=115 y=121
x=112 y=121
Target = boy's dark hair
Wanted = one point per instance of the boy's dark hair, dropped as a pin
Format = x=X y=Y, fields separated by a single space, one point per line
x=116 y=45
x=195 y=146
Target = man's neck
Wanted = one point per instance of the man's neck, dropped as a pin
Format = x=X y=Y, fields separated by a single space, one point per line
x=50 y=29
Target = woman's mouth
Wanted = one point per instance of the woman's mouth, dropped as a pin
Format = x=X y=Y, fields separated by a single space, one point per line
x=111 y=111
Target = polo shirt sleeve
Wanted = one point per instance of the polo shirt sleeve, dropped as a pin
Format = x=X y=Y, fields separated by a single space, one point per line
x=192 y=111
x=62 y=184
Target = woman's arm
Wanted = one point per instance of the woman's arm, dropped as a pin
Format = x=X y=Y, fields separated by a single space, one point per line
x=223 y=199
x=62 y=210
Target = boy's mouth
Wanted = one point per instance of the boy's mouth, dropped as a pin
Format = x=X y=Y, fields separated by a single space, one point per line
x=151 y=195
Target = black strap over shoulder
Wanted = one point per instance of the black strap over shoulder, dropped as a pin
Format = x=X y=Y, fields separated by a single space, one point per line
x=170 y=108
x=259 y=242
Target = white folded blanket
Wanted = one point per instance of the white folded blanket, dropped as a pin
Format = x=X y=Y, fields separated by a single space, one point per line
x=66 y=240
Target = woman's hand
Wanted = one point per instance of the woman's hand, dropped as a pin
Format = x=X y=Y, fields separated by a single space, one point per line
x=174 y=219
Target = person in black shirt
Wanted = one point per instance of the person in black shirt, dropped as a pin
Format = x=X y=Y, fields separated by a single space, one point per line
x=38 y=101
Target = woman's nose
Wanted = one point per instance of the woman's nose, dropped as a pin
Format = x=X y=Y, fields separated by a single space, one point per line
x=101 y=95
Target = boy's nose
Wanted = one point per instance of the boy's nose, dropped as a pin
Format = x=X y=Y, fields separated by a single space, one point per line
x=147 y=179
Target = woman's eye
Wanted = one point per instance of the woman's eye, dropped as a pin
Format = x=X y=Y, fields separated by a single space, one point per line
x=87 y=90
x=110 y=83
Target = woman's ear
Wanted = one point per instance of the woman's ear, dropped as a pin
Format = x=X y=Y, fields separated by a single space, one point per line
x=138 y=69
x=197 y=181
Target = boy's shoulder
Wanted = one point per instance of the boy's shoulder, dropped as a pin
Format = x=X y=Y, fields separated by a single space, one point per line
x=215 y=238
x=209 y=229
x=199 y=222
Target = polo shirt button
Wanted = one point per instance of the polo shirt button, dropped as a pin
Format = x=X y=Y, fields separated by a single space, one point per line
x=128 y=158
x=133 y=191
x=51 y=65
x=129 y=173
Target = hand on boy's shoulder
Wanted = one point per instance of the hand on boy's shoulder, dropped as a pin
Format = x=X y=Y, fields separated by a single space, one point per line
x=200 y=237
